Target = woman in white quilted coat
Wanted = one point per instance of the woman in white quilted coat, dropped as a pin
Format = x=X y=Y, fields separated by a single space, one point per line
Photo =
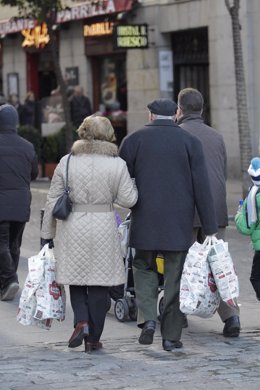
x=87 y=246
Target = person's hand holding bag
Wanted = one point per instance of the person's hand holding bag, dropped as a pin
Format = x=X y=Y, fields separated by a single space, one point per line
x=47 y=241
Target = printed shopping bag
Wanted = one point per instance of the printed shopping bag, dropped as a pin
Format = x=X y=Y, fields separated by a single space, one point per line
x=198 y=292
x=42 y=300
x=222 y=268
x=50 y=296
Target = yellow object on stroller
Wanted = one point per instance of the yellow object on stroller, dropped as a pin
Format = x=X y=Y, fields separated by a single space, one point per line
x=124 y=295
x=160 y=264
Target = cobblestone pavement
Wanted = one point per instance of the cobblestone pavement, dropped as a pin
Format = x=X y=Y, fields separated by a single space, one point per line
x=206 y=360
x=35 y=359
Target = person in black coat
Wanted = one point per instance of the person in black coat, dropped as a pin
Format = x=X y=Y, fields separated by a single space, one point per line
x=80 y=106
x=169 y=167
x=18 y=166
x=29 y=111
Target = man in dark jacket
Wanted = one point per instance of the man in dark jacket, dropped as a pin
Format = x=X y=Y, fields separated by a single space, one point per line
x=80 y=106
x=169 y=167
x=190 y=107
x=18 y=166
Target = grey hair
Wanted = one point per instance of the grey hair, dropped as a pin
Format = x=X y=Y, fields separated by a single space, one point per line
x=190 y=100
x=157 y=116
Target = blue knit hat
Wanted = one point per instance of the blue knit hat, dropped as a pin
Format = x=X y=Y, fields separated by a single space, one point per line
x=254 y=171
x=8 y=117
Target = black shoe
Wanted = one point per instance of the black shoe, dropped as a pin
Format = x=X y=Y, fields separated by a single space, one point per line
x=169 y=345
x=146 y=336
x=232 y=327
x=8 y=293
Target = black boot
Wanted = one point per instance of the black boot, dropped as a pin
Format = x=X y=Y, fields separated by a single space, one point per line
x=146 y=336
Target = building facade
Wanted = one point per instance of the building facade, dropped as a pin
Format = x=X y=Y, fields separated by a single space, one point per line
x=126 y=53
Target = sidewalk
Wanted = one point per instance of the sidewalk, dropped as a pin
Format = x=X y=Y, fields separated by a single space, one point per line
x=35 y=359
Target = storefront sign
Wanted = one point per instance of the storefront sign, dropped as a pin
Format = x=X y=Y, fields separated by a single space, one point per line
x=133 y=36
x=13 y=26
x=83 y=11
x=37 y=36
x=98 y=29
x=90 y=9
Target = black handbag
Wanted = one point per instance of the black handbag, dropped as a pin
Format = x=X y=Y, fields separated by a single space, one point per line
x=63 y=206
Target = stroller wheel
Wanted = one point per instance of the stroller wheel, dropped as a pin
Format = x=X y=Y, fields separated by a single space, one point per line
x=108 y=303
x=121 y=310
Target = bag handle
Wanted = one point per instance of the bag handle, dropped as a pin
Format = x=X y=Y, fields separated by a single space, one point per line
x=209 y=240
x=67 y=189
x=46 y=251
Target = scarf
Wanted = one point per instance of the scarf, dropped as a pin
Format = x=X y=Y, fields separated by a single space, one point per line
x=252 y=209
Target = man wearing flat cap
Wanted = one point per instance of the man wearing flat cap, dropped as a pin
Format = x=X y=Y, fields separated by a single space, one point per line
x=163 y=107
x=169 y=167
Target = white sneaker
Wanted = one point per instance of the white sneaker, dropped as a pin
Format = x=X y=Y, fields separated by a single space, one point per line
x=9 y=292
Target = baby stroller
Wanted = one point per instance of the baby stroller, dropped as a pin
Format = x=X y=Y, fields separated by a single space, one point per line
x=124 y=295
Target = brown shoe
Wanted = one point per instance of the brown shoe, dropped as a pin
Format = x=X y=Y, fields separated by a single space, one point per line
x=81 y=331
x=92 y=346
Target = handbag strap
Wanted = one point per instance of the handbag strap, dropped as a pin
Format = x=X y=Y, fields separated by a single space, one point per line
x=67 y=189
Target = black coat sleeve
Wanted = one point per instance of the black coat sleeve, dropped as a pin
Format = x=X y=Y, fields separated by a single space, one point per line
x=202 y=191
x=125 y=154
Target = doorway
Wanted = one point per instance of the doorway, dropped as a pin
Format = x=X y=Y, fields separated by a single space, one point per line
x=41 y=78
x=47 y=82
x=191 y=64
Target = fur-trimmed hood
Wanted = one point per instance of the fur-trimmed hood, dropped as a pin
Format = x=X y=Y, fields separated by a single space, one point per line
x=94 y=147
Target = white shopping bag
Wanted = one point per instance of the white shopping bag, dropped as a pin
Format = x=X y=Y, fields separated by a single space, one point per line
x=222 y=268
x=198 y=292
x=42 y=299
x=123 y=232
x=50 y=296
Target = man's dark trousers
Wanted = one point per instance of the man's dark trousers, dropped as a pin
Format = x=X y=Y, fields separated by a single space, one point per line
x=146 y=290
x=10 y=242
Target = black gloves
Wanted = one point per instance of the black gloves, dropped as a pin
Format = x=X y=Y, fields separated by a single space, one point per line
x=47 y=241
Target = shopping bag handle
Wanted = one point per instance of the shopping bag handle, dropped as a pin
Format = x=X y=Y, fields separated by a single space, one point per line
x=210 y=240
x=47 y=251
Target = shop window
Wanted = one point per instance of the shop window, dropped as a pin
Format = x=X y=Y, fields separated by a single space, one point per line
x=110 y=91
x=113 y=94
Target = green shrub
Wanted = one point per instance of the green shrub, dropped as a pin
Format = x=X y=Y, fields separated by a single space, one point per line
x=48 y=149
x=32 y=135
x=54 y=146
